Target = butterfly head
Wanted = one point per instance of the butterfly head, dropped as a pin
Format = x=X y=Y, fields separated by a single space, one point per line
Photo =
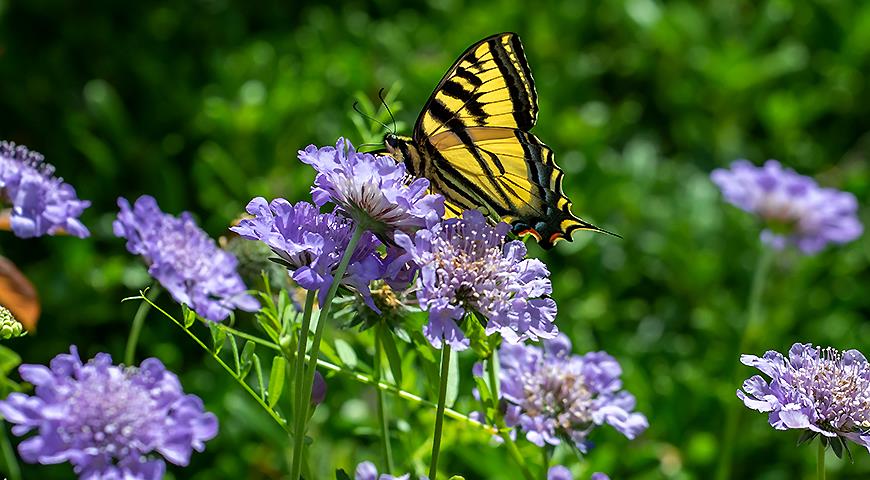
x=400 y=147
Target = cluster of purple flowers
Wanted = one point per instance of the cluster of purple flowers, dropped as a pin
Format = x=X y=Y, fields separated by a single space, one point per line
x=462 y=266
x=553 y=394
x=42 y=204
x=184 y=259
x=794 y=208
x=822 y=390
x=108 y=421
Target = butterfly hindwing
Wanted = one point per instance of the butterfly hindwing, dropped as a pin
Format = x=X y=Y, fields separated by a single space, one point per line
x=514 y=175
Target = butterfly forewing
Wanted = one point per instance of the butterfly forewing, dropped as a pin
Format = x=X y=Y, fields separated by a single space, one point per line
x=472 y=142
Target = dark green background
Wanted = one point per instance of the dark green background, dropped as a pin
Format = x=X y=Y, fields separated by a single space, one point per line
x=203 y=104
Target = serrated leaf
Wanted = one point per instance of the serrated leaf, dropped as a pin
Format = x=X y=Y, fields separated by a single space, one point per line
x=218 y=336
x=276 y=379
x=258 y=369
x=247 y=352
x=188 y=315
x=452 y=379
x=393 y=357
x=346 y=353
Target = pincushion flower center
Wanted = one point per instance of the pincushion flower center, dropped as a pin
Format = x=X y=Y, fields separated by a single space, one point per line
x=111 y=415
x=559 y=393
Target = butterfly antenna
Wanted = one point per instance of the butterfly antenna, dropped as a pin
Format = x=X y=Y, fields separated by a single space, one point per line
x=381 y=96
x=364 y=115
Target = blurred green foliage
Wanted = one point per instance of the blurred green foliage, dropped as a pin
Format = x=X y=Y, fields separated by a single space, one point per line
x=203 y=104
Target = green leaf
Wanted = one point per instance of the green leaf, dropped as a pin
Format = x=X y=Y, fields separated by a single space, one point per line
x=265 y=323
x=9 y=360
x=483 y=389
x=806 y=436
x=218 y=337
x=247 y=352
x=837 y=446
x=393 y=358
x=235 y=347
x=341 y=475
x=258 y=369
x=276 y=379
x=188 y=315
x=452 y=379
x=346 y=353
x=457 y=477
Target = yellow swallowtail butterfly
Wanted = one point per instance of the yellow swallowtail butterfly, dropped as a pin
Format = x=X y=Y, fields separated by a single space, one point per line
x=472 y=142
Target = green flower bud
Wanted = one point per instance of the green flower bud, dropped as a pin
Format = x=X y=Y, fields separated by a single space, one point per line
x=9 y=326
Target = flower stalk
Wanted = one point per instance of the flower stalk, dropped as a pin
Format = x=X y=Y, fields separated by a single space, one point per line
x=136 y=328
x=383 y=420
x=439 y=412
x=325 y=311
x=820 y=460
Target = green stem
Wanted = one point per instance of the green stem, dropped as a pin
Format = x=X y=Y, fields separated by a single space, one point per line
x=299 y=365
x=275 y=416
x=366 y=380
x=733 y=409
x=545 y=457
x=382 y=409
x=136 y=329
x=9 y=458
x=439 y=412
x=820 y=461
x=504 y=433
x=323 y=319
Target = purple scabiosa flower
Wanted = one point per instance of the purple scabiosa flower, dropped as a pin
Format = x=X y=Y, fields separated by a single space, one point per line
x=551 y=393
x=108 y=421
x=794 y=208
x=822 y=390
x=185 y=260
x=311 y=244
x=42 y=204
x=374 y=190
x=368 y=471
x=466 y=266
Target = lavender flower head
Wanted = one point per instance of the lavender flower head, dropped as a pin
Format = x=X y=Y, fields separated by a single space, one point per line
x=311 y=244
x=108 y=421
x=368 y=471
x=795 y=209
x=42 y=204
x=822 y=390
x=183 y=258
x=466 y=266
x=374 y=190
x=553 y=394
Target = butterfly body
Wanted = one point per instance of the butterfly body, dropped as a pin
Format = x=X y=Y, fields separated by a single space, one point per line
x=472 y=142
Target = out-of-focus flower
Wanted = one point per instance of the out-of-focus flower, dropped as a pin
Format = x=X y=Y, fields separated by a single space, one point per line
x=368 y=471
x=551 y=393
x=466 y=266
x=374 y=190
x=311 y=244
x=184 y=259
x=318 y=389
x=822 y=390
x=9 y=326
x=559 y=472
x=599 y=476
x=794 y=208
x=108 y=421
x=41 y=203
